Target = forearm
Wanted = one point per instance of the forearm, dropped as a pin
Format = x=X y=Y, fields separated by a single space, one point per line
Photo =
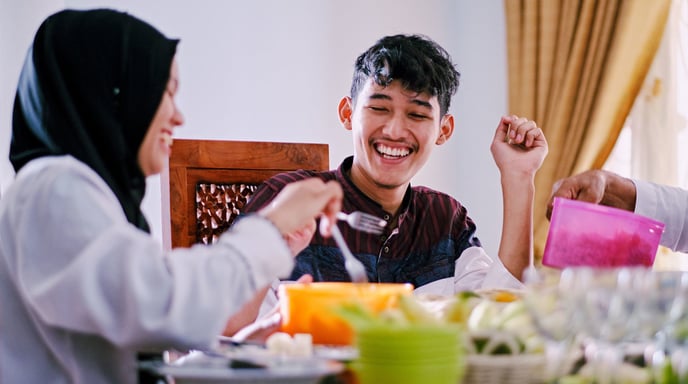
x=247 y=314
x=516 y=244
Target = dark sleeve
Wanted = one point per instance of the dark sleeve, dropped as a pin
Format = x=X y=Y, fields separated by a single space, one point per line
x=464 y=229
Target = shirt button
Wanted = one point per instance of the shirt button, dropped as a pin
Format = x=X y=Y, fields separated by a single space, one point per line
x=386 y=217
x=382 y=238
x=385 y=249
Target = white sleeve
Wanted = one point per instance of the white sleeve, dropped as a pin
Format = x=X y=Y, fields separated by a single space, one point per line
x=91 y=271
x=668 y=205
x=474 y=270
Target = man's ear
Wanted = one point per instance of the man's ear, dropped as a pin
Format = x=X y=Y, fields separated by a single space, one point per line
x=446 y=129
x=345 y=111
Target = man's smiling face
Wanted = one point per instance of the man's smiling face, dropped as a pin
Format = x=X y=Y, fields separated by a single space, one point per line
x=394 y=132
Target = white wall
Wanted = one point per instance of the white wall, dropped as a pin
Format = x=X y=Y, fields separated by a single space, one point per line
x=276 y=69
x=18 y=22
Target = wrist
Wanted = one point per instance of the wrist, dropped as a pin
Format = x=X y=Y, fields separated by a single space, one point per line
x=620 y=192
x=269 y=215
x=524 y=179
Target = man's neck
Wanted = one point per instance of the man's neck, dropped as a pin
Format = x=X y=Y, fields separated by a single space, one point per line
x=389 y=198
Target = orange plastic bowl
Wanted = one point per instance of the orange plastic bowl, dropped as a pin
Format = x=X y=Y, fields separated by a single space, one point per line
x=307 y=308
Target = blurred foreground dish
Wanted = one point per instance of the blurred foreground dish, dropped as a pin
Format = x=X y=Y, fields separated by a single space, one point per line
x=310 y=307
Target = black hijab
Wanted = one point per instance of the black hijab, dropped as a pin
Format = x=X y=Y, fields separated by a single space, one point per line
x=90 y=87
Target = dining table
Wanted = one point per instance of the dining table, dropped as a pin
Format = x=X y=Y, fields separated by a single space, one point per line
x=626 y=324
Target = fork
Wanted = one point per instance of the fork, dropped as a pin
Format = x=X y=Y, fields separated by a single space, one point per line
x=363 y=222
x=353 y=266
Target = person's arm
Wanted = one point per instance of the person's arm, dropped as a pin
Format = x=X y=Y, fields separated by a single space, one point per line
x=596 y=186
x=296 y=241
x=668 y=205
x=128 y=291
x=519 y=148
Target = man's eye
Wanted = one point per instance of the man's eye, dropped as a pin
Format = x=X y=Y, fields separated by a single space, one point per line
x=378 y=109
x=418 y=116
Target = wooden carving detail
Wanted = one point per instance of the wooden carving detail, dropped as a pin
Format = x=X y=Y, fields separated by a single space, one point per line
x=217 y=206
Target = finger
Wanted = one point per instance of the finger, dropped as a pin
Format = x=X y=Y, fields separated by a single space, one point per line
x=532 y=135
x=502 y=128
x=326 y=226
x=261 y=334
x=305 y=279
x=515 y=124
x=589 y=195
x=550 y=203
x=518 y=130
x=331 y=208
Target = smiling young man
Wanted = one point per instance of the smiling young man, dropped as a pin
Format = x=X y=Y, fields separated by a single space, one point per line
x=397 y=113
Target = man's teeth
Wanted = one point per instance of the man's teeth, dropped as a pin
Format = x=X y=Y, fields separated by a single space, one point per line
x=168 y=139
x=394 y=152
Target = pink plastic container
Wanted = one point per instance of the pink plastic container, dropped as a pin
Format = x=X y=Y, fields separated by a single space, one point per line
x=585 y=234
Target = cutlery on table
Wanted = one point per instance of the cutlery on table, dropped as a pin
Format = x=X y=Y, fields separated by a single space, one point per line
x=353 y=266
x=363 y=222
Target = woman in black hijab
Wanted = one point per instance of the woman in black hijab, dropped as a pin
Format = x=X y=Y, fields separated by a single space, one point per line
x=92 y=95
x=83 y=286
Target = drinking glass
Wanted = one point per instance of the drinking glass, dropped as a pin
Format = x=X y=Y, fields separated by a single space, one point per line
x=613 y=309
x=550 y=299
x=662 y=300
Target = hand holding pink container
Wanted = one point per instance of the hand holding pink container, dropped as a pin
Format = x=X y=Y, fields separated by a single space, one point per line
x=586 y=234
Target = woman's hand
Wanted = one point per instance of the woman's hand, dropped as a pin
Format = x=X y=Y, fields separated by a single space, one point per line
x=267 y=324
x=299 y=239
x=298 y=204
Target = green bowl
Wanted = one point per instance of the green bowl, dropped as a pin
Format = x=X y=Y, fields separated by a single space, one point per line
x=410 y=332
x=409 y=354
x=409 y=374
x=409 y=343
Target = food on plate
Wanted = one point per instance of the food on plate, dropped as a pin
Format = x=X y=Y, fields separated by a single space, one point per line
x=493 y=323
x=281 y=343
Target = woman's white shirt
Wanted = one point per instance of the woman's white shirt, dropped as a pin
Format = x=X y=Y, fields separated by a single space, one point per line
x=82 y=289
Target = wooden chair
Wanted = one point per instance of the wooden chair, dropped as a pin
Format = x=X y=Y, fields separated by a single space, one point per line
x=208 y=182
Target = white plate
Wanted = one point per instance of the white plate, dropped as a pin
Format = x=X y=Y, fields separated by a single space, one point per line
x=231 y=348
x=201 y=368
x=336 y=352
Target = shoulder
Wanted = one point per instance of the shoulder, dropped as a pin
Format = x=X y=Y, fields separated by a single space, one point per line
x=428 y=196
x=440 y=205
x=59 y=179
x=280 y=180
x=267 y=190
x=272 y=186
x=61 y=192
x=58 y=171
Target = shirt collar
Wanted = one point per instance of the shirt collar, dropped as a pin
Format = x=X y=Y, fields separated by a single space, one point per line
x=356 y=199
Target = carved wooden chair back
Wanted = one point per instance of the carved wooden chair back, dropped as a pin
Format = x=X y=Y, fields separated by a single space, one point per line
x=207 y=182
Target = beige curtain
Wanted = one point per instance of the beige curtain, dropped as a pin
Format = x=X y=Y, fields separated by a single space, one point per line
x=575 y=67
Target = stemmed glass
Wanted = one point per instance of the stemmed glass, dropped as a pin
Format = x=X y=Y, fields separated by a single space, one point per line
x=550 y=299
x=630 y=305
x=610 y=308
x=662 y=302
